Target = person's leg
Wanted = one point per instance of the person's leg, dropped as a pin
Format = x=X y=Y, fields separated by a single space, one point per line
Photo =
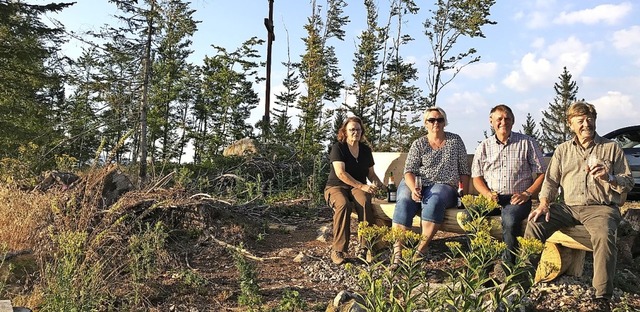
x=403 y=214
x=602 y=224
x=338 y=199
x=362 y=205
x=435 y=199
x=512 y=217
x=560 y=216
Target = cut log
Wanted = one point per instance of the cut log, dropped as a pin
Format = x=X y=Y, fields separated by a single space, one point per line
x=557 y=260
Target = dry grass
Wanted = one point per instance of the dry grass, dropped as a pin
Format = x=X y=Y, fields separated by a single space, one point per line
x=21 y=214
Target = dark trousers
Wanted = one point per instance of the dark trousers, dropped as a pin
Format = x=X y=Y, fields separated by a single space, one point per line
x=512 y=218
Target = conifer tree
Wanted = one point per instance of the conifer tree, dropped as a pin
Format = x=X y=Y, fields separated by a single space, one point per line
x=284 y=103
x=529 y=128
x=365 y=70
x=320 y=73
x=555 y=129
x=30 y=82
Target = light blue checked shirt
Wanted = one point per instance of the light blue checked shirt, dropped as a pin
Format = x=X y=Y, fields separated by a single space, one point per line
x=508 y=168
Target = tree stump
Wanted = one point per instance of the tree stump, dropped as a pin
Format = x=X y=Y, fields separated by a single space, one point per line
x=557 y=260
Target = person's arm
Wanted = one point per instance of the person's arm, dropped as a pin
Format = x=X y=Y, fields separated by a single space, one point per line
x=341 y=173
x=373 y=177
x=481 y=187
x=523 y=197
x=410 y=181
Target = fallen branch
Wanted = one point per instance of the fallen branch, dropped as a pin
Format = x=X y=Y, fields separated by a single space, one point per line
x=242 y=251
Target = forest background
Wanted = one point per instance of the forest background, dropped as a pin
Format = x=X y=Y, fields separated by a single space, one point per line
x=197 y=73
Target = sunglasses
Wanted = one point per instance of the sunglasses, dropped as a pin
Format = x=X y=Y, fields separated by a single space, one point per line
x=433 y=120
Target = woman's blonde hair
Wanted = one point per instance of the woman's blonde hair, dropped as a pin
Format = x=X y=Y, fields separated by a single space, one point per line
x=434 y=109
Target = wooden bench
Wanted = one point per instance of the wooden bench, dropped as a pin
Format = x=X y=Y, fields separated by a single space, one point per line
x=564 y=251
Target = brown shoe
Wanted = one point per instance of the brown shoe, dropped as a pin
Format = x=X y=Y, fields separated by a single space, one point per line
x=337 y=257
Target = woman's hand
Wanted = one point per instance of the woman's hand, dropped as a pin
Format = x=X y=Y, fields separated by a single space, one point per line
x=369 y=188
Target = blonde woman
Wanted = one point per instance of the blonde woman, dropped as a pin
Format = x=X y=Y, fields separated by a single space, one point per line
x=440 y=159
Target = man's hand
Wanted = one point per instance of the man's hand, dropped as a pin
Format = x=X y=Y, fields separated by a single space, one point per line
x=543 y=209
x=518 y=199
x=599 y=171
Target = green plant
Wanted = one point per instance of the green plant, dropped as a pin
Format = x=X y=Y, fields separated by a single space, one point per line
x=65 y=162
x=3 y=275
x=250 y=296
x=469 y=287
x=70 y=283
x=390 y=290
x=290 y=302
x=143 y=250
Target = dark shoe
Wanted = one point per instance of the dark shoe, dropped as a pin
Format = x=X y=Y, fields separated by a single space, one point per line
x=337 y=257
x=601 y=304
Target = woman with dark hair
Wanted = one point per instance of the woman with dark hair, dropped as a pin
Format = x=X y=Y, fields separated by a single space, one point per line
x=347 y=189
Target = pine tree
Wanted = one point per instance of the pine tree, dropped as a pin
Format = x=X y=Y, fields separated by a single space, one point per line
x=555 y=129
x=529 y=128
x=31 y=83
x=403 y=103
x=170 y=70
x=365 y=70
x=320 y=73
x=285 y=102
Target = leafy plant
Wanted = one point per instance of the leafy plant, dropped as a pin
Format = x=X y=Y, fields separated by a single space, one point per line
x=249 y=290
x=469 y=287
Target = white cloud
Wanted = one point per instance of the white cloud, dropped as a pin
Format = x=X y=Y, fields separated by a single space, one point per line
x=609 y=108
x=480 y=70
x=606 y=13
x=627 y=42
x=537 y=19
x=544 y=69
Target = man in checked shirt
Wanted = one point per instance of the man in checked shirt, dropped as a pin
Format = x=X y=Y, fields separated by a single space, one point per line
x=503 y=168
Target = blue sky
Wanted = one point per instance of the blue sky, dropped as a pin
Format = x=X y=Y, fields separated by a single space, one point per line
x=522 y=56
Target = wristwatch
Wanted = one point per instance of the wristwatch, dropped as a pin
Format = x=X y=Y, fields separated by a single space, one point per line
x=527 y=193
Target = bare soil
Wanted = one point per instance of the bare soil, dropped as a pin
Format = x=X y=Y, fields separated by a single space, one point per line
x=280 y=240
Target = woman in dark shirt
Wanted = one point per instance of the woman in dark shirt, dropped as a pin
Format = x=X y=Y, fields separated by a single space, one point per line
x=347 y=188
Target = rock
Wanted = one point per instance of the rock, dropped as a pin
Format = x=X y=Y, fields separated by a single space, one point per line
x=325 y=233
x=116 y=184
x=242 y=147
x=301 y=257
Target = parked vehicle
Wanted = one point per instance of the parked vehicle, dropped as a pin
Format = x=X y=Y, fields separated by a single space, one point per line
x=629 y=140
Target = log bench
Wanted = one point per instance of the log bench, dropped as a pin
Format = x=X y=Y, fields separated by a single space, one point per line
x=564 y=251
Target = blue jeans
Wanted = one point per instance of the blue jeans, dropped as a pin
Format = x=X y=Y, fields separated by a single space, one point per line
x=512 y=217
x=435 y=199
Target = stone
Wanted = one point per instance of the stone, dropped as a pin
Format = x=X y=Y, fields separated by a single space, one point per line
x=242 y=147
x=325 y=233
x=301 y=257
